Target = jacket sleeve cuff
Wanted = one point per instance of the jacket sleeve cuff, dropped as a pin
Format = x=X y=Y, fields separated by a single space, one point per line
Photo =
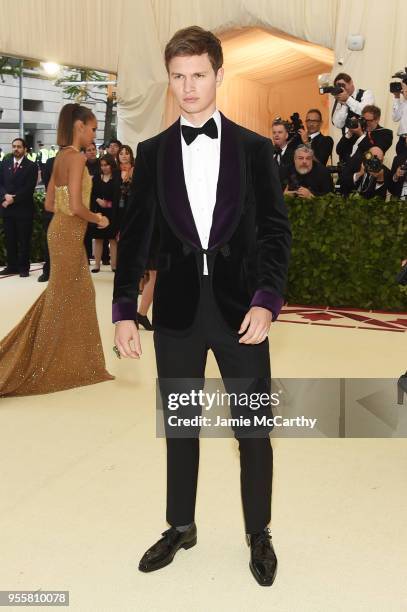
x=268 y=299
x=124 y=311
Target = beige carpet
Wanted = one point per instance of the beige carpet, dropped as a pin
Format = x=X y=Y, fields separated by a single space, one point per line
x=83 y=490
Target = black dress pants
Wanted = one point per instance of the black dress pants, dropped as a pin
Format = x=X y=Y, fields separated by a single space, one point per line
x=18 y=233
x=179 y=358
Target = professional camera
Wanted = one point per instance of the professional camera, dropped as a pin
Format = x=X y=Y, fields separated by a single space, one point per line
x=293 y=126
x=372 y=163
x=403 y=166
x=395 y=86
x=331 y=89
x=293 y=183
x=354 y=121
x=336 y=169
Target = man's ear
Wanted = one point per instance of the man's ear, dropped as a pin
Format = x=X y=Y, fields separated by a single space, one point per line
x=219 y=77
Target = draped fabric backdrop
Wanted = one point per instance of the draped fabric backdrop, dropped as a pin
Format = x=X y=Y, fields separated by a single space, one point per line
x=128 y=37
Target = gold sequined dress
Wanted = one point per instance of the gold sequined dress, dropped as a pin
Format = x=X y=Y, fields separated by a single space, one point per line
x=57 y=344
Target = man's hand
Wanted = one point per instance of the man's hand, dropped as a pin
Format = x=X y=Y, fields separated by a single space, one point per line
x=399 y=172
x=342 y=97
x=127 y=339
x=256 y=324
x=9 y=199
x=289 y=193
x=304 y=135
x=303 y=192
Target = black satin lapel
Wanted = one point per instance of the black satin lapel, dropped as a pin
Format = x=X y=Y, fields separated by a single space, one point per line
x=231 y=182
x=172 y=188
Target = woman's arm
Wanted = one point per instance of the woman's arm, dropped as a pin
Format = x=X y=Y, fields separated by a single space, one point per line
x=75 y=177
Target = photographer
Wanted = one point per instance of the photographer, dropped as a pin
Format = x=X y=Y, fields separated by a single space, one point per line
x=350 y=101
x=373 y=178
x=399 y=114
x=283 y=149
x=398 y=174
x=320 y=144
x=376 y=134
x=307 y=177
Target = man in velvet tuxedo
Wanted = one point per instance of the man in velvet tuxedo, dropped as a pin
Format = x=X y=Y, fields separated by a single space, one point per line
x=210 y=190
x=18 y=177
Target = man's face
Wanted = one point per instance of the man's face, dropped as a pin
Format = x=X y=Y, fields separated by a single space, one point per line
x=18 y=149
x=348 y=87
x=280 y=135
x=371 y=122
x=90 y=152
x=303 y=162
x=113 y=149
x=313 y=123
x=194 y=83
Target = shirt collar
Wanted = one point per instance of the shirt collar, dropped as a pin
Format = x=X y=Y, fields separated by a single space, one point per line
x=17 y=161
x=314 y=135
x=215 y=116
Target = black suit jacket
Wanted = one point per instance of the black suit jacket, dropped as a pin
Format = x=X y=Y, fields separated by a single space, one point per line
x=322 y=147
x=249 y=242
x=318 y=181
x=371 y=189
x=396 y=188
x=21 y=183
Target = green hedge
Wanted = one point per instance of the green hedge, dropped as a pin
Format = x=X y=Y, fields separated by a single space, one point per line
x=344 y=253
x=347 y=252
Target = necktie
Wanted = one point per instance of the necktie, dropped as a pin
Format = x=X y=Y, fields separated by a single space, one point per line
x=15 y=167
x=209 y=129
x=277 y=155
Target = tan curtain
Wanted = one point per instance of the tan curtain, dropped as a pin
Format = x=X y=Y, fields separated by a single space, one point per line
x=80 y=33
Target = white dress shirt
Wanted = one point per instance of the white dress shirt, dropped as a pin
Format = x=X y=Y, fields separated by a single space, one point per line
x=400 y=114
x=341 y=110
x=17 y=161
x=201 y=161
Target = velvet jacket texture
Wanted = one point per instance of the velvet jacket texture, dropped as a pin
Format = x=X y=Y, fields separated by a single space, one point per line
x=249 y=242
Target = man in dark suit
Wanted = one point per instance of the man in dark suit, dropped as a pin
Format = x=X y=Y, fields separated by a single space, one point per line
x=398 y=176
x=283 y=147
x=211 y=189
x=320 y=144
x=18 y=178
x=372 y=183
x=307 y=177
x=46 y=220
x=377 y=135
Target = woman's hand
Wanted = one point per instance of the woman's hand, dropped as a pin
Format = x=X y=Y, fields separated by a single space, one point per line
x=103 y=222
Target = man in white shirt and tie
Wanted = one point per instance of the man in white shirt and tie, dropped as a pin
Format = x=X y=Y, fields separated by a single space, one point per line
x=210 y=188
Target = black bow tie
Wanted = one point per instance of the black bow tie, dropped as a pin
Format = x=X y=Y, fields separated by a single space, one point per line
x=209 y=129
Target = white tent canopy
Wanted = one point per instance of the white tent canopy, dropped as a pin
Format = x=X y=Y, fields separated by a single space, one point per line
x=128 y=37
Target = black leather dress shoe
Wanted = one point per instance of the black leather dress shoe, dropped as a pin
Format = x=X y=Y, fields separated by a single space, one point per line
x=24 y=273
x=163 y=552
x=8 y=271
x=143 y=320
x=401 y=388
x=43 y=278
x=263 y=560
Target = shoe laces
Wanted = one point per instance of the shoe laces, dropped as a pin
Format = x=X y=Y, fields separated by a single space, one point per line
x=262 y=540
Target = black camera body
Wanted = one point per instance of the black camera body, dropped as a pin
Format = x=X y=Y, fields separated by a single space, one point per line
x=293 y=126
x=395 y=87
x=354 y=121
x=331 y=89
x=372 y=163
x=403 y=166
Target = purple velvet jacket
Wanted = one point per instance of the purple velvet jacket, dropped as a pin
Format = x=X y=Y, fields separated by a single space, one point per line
x=249 y=243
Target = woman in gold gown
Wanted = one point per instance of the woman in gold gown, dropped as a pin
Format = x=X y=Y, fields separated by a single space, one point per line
x=57 y=344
